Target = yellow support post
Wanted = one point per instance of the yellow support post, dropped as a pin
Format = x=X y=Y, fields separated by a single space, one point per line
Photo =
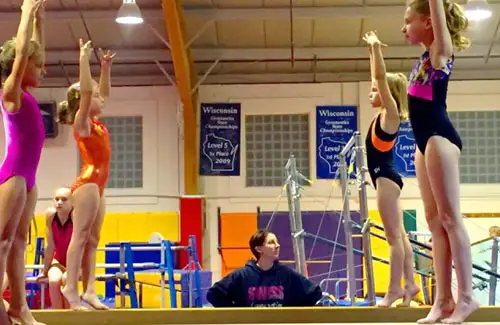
x=185 y=75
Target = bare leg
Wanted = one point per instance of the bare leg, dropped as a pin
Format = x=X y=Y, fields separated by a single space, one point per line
x=85 y=206
x=63 y=283
x=55 y=281
x=442 y=160
x=89 y=262
x=411 y=288
x=12 y=200
x=443 y=303
x=387 y=199
x=4 y=304
x=19 y=310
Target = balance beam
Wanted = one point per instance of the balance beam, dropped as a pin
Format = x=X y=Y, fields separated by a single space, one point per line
x=249 y=316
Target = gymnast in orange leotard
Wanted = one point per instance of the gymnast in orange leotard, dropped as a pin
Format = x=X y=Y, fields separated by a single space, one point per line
x=95 y=152
x=84 y=104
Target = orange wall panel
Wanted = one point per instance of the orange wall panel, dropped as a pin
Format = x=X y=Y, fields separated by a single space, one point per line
x=235 y=231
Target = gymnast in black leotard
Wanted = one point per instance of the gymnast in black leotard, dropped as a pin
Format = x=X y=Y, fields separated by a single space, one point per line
x=389 y=96
x=379 y=153
x=439 y=25
x=427 y=93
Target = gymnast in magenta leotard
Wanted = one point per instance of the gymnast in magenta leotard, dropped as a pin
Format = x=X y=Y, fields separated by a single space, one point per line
x=21 y=67
x=24 y=138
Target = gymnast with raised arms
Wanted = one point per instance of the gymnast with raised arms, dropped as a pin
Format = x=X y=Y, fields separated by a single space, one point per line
x=439 y=26
x=388 y=94
x=84 y=103
x=22 y=62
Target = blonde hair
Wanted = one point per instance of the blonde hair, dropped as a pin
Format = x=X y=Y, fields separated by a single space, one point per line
x=456 y=21
x=8 y=54
x=66 y=110
x=494 y=231
x=398 y=85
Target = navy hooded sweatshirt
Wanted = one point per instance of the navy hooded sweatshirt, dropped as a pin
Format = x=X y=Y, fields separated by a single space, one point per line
x=250 y=286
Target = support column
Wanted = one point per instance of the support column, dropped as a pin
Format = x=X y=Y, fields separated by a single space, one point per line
x=364 y=219
x=494 y=268
x=185 y=75
x=347 y=222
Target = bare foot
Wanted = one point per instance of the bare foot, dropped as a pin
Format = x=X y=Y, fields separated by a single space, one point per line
x=462 y=310
x=410 y=293
x=390 y=297
x=94 y=302
x=22 y=316
x=441 y=309
x=72 y=299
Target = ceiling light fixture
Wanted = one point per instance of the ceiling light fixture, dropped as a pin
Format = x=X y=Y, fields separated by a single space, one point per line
x=129 y=13
x=477 y=10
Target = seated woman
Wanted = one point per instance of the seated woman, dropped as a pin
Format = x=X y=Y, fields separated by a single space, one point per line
x=264 y=282
x=59 y=230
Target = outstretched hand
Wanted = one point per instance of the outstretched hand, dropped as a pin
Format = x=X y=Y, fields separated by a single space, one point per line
x=371 y=39
x=32 y=6
x=106 y=57
x=39 y=9
x=85 y=48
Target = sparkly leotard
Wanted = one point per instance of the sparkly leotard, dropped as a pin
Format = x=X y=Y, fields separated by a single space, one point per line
x=95 y=151
x=427 y=92
x=24 y=139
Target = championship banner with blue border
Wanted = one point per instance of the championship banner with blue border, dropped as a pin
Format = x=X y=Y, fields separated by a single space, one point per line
x=335 y=125
x=404 y=150
x=220 y=138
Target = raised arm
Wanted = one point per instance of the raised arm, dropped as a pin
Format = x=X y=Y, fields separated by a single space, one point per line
x=372 y=68
x=12 y=90
x=380 y=75
x=443 y=45
x=105 y=79
x=82 y=118
x=39 y=32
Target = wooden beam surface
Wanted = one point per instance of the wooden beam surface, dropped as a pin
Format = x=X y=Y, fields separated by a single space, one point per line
x=318 y=315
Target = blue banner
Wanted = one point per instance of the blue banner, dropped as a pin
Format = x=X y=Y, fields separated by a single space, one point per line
x=220 y=138
x=335 y=125
x=404 y=150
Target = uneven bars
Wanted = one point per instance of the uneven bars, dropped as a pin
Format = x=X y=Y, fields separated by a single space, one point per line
x=141 y=248
x=419 y=233
x=348 y=146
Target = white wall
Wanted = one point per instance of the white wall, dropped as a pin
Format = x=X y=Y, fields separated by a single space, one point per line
x=231 y=195
x=158 y=108
x=162 y=175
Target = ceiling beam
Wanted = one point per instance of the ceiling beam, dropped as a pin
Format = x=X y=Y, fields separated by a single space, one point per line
x=298 y=12
x=185 y=75
x=239 y=13
x=260 y=78
x=258 y=54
